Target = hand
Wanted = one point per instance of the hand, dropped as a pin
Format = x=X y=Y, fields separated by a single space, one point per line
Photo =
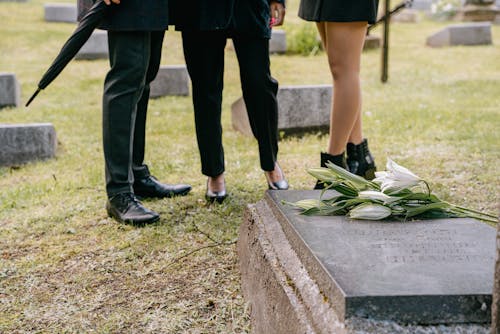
x=108 y=2
x=277 y=13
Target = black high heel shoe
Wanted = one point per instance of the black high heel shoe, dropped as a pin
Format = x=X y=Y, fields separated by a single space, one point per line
x=278 y=185
x=216 y=196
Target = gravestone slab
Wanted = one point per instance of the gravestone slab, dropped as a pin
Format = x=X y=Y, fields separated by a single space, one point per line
x=423 y=5
x=495 y=310
x=22 y=143
x=10 y=90
x=95 y=48
x=277 y=43
x=299 y=108
x=82 y=8
x=60 y=12
x=406 y=15
x=431 y=276
x=171 y=80
x=478 y=13
x=372 y=42
x=474 y=33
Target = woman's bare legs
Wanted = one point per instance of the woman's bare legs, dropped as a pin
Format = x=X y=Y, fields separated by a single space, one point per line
x=343 y=42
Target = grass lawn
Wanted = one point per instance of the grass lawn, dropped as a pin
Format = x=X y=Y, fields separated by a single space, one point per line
x=65 y=267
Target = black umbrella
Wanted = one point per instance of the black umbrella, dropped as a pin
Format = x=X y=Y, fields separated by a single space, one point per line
x=81 y=34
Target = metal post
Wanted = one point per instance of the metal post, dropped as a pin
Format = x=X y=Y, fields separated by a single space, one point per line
x=385 y=42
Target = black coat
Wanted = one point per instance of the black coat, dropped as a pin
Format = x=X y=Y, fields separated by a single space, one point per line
x=242 y=16
x=134 y=15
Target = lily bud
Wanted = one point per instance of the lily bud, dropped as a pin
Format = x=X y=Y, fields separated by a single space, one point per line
x=369 y=211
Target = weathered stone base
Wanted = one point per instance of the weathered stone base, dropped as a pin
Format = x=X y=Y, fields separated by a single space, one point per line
x=171 y=80
x=95 y=48
x=478 y=13
x=10 y=90
x=60 y=12
x=300 y=109
x=22 y=143
x=495 y=307
x=372 y=42
x=475 y=33
x=284 y=297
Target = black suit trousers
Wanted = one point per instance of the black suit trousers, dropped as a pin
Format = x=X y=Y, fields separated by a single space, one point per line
x=135 y=59
x=204 y=54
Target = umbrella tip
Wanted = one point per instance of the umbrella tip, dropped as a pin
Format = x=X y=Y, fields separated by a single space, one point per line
x=33 y=97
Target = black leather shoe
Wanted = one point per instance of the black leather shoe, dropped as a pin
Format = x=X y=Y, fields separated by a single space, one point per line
x=215 y=196
x=125 y=208
x=149 y=187
x=360 y=160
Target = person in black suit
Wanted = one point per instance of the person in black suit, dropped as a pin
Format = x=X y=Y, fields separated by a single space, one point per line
x=206 y=25
x=342 y=26
x=135 y=35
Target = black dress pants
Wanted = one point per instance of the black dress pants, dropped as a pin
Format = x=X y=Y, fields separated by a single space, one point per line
x=135 y=59
x=204 y=54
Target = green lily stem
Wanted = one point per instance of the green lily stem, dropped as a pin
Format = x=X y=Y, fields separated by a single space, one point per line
x=472 y=210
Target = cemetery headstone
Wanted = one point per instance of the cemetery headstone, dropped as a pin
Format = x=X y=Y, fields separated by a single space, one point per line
x=372 y=42
x=10 y=90
x=95 y=48
x=478 y=10
x=495 y=310
x=423 y=5
x=23 y=143
x=82 y=7
x=474 y=33
x=60 y=12
x=331 y=274
x=406 y=16
x=277 y=43
x=299 y=108
x=170 y=80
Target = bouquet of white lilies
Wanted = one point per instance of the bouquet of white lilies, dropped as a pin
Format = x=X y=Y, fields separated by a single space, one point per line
x=396 y=193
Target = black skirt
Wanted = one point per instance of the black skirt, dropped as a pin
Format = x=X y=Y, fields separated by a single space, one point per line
x=339 y=10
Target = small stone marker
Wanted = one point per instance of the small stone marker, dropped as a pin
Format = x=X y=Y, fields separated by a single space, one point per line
x=83 y=7
x=299 y=108
x=478 y=11
x=423 y=5
x=95 y=48
x=406 y=16
x=277 y=43
x=23 y=143
x=60 y=12
x=372 y=42
x=170 y=80
x=10 y=90
x=495 y=310
x=474 y=33
x=330 y=274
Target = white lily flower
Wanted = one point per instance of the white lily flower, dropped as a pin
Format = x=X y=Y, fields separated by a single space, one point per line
x=370 y=211
x=401 y=173
x=377 y=196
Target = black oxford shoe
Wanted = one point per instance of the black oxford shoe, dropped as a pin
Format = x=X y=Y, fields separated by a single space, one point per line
x=149 y=187
x=125 y=208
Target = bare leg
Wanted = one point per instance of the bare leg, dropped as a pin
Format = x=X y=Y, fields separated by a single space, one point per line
x=343 y=42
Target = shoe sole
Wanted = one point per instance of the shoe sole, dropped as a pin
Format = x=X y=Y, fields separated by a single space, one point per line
x=169 y=195
x=138 y=223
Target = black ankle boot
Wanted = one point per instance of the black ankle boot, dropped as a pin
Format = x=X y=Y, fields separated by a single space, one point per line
x=360 y=160
x=338 y=160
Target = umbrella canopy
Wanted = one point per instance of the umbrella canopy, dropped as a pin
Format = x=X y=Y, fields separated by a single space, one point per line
x=75 y=42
